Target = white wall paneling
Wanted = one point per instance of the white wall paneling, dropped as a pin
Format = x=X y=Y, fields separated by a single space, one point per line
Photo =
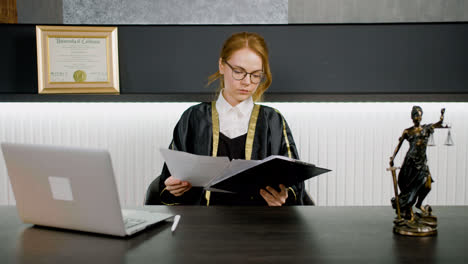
x=355 y=140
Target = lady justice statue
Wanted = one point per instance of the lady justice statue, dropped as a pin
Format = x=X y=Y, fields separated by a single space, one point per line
x=414 y=179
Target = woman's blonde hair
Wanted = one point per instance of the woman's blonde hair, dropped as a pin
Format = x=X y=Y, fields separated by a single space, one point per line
x=257 y=44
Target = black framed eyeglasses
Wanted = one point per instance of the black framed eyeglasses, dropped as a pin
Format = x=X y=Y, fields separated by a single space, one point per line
x=239 y=74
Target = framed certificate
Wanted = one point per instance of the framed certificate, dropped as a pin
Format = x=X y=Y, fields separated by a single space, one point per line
x=77 y=60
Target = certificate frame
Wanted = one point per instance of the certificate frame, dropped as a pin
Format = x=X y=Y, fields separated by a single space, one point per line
x=64 y=48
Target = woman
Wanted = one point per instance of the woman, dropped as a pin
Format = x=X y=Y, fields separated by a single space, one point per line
x=414 y=179
x=232 y=126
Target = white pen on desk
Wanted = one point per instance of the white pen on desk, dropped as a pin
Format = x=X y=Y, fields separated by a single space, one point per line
x=176 y=221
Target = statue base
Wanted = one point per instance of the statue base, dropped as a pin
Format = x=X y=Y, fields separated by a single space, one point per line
x=414 y=229
x=423 y=224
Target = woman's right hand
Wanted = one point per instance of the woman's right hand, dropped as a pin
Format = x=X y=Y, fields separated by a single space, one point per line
x=177 y=187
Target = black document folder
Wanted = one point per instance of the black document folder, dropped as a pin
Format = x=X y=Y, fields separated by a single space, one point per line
x=273 y=172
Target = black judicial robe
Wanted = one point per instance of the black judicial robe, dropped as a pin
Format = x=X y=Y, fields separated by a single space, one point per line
x=197 y=132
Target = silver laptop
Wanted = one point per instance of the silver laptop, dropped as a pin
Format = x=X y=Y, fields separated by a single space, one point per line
x=72 y=188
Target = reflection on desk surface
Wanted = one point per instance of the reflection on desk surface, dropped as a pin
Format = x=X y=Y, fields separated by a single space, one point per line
x=55 y=245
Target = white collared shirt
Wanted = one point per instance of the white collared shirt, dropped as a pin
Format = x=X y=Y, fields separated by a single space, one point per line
x=234 y=121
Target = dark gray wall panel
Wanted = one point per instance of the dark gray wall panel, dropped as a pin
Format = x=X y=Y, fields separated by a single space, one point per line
x=18 y=60
x=379 y=58
x=308 y=61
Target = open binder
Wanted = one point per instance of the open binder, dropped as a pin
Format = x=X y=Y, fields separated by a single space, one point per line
x=238 y=176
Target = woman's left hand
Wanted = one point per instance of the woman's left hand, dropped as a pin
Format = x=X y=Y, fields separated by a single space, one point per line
x=273 y=197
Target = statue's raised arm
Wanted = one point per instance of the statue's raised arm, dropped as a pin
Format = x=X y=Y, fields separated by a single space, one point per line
x=441 y=121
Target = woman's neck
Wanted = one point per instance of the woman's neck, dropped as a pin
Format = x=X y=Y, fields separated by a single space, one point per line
x=233 y=102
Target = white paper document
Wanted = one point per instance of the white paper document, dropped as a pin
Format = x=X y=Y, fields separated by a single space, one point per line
x=204 y=171
x=198 y=170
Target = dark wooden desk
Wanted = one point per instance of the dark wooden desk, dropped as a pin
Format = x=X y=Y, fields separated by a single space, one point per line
x=246 y=235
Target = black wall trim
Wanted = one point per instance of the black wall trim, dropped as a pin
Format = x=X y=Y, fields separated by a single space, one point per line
x=317 y=62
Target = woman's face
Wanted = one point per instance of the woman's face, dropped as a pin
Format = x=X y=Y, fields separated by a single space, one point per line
x=236 y=91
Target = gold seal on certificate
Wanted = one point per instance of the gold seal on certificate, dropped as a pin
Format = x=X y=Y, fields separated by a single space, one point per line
x=79 y=76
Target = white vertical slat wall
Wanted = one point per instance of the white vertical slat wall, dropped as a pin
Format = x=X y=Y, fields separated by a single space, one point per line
x=354 y=140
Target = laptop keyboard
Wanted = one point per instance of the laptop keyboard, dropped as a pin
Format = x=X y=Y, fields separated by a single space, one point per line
x=131 y=222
